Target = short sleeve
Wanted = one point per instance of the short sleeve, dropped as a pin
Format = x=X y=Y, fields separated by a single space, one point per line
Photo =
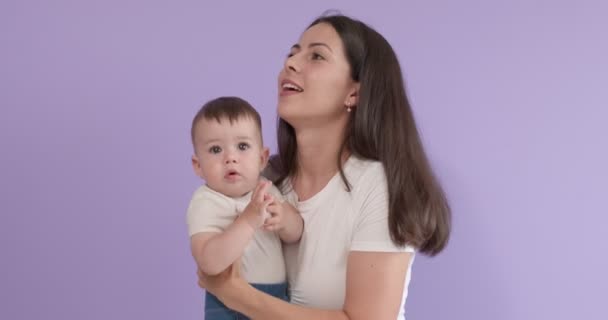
x=208 y=212
x=371 y=232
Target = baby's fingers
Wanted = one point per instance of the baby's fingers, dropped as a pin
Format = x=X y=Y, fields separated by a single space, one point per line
x=272 y=221
x=270 y=227
x=259 y=194
x=273 y=208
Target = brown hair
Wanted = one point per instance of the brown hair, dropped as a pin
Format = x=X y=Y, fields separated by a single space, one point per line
x=382 y=128
x=222 y=108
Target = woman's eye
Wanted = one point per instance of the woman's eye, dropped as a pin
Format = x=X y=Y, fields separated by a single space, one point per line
x=215 y=149
x=316 y=56
x=243 y=146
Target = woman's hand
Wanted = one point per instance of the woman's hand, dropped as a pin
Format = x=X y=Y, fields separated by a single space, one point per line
x=226 y=285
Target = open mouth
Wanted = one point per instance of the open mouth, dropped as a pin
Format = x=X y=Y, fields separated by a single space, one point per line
x=288 y=86
x=232 y=174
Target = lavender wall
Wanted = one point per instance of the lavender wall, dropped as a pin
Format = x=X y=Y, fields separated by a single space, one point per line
x=96 y=100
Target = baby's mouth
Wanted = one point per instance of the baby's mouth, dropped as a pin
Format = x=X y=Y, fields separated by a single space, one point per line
x=232 y=174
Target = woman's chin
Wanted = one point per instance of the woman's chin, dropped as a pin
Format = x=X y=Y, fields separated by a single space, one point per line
x=287 y=111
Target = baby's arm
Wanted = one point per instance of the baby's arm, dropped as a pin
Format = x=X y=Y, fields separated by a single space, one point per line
x=214 y=252
x=286 y=220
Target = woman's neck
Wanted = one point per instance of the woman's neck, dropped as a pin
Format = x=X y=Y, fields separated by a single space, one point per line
x=318 y=151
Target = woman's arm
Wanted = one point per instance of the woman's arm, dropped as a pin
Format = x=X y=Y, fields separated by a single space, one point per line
x=259 y=305
x=374 y=284
x=374 y=289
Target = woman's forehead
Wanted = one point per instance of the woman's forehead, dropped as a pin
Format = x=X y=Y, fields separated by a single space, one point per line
x=321 y=33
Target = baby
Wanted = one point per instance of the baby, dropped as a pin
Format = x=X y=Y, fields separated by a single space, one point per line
x=237 y=213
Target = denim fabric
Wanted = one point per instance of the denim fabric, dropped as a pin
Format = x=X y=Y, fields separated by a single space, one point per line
x=216 y=310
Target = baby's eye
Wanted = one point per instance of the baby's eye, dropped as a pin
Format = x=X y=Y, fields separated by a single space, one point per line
x=243 y=146
x=215 y=149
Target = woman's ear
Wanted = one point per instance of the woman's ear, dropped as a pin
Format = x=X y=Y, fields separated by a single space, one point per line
x=352 y=100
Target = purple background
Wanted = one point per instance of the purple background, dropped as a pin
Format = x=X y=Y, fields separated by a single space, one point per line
x=96 y=100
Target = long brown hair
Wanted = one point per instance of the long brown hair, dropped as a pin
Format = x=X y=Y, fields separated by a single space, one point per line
x=382 y=128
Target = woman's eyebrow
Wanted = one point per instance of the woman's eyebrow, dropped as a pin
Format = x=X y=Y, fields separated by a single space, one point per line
x=313 y=44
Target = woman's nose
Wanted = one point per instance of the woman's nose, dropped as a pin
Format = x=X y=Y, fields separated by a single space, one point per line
x=292 y=64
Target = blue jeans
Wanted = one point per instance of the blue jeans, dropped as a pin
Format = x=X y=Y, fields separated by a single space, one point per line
x=216 y=310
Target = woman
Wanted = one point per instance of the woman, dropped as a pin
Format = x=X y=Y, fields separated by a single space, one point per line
x=351 y=158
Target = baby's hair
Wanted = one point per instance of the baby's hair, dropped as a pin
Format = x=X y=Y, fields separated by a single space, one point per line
x=226 y=108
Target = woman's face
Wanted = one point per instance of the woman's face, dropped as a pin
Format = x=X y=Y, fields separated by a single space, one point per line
x=315 y=84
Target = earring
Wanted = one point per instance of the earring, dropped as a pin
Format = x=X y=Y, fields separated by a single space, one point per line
x=348 y=107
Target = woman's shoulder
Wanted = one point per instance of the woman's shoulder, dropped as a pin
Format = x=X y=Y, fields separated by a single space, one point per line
x=364 y=176
x=358 y=169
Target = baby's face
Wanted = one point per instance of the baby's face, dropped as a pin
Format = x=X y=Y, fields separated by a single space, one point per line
x=229 y=157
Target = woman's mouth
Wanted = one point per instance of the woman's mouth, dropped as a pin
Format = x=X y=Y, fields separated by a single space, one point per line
x=289 y=88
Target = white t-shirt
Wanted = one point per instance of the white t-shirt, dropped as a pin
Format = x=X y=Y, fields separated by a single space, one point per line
x=337 y=222
x=211 y=211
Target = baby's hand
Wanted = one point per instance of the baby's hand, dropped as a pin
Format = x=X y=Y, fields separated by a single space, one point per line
x=279 y=214
x=255 y=213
